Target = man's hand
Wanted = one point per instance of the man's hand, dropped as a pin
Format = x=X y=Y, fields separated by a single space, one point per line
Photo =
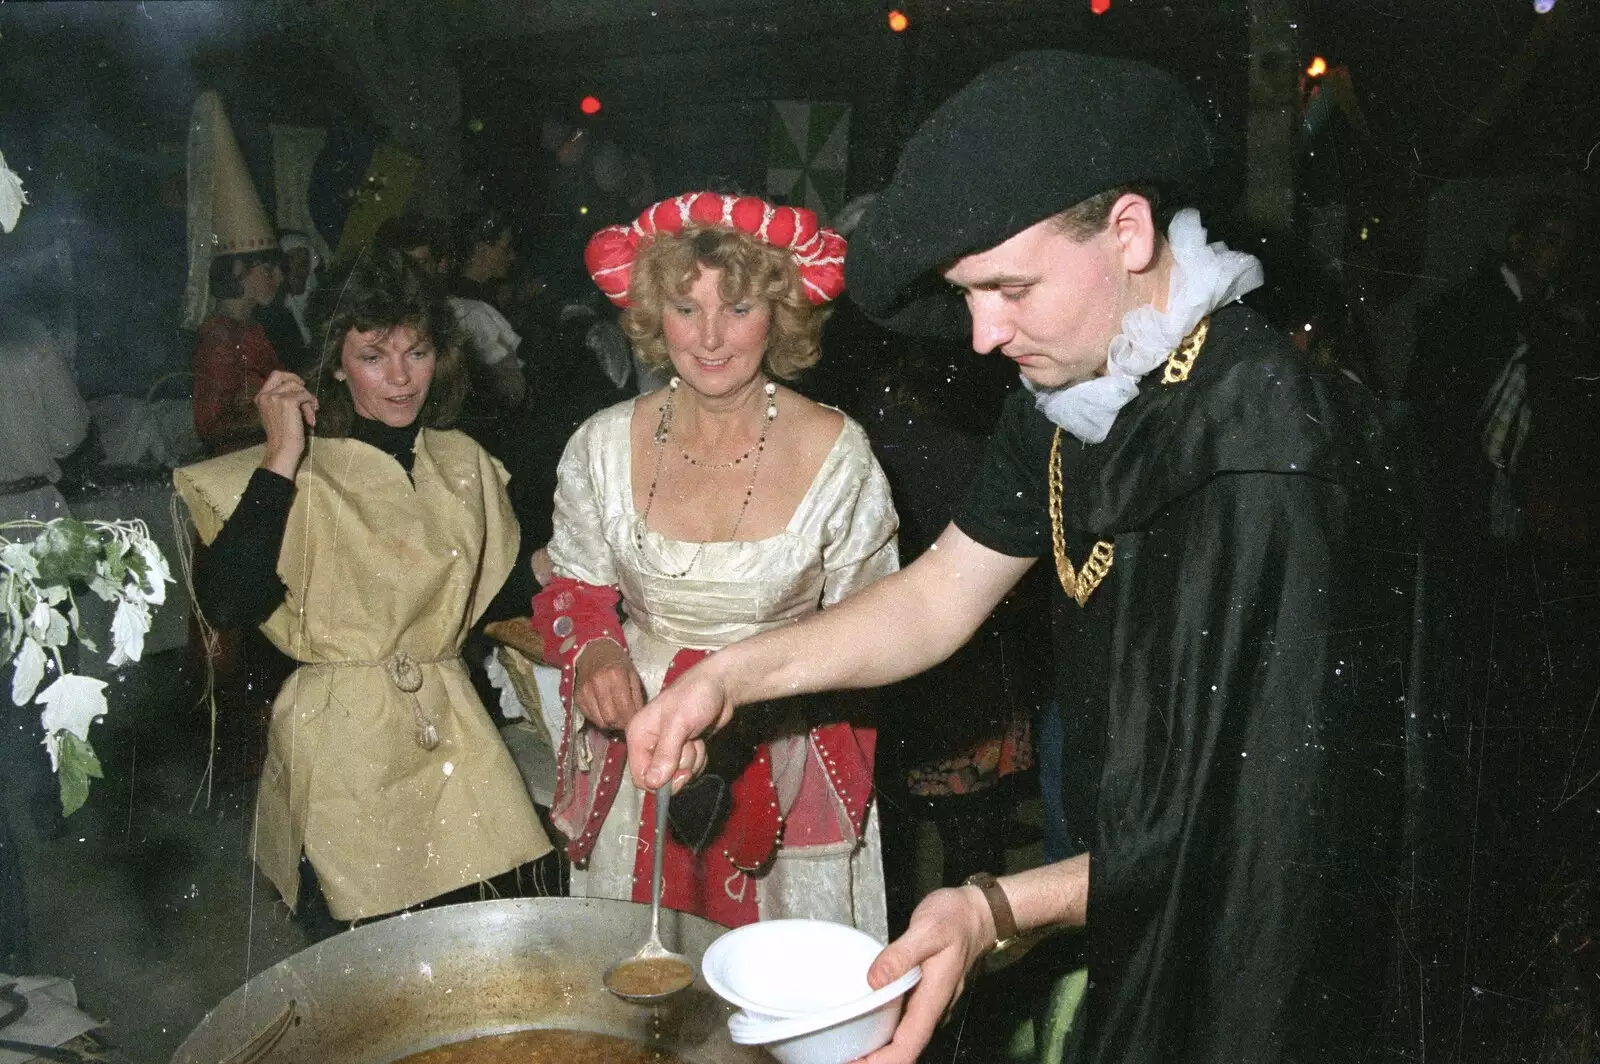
x=664 y=739
x=286 y=410
x=605 y=686
x=898 y=627
x=949 y=934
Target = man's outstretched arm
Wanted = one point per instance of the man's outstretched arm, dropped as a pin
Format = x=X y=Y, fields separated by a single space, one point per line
x=898 y=627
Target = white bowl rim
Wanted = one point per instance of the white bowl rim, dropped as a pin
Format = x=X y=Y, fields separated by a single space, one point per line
x=757 y=1010
x=757 y=1031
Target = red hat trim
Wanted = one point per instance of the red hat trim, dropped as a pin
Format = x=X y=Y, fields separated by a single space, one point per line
x=818 y=251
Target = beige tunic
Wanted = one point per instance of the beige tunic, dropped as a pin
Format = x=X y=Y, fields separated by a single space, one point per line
x=381 y=573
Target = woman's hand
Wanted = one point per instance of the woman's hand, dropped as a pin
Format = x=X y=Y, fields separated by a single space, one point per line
x=286 y=410
x=544 y=570
x=605 y=686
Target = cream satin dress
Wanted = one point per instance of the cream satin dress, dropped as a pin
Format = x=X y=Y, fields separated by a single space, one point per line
x=840 y=539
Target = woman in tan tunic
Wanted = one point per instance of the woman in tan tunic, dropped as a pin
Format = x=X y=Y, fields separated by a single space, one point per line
x=366 y=552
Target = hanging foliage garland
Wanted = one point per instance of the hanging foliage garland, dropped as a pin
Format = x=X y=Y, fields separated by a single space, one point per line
x=43 y=571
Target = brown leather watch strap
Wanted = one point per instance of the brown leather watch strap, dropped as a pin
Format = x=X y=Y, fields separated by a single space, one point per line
x=1005 y=922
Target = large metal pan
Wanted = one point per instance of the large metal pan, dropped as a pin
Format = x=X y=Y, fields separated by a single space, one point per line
x=411 y=982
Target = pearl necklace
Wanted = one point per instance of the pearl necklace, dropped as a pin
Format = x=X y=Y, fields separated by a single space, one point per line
x=661 y=435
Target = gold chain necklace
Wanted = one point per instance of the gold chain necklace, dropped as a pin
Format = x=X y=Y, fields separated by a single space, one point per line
x=1079 y=583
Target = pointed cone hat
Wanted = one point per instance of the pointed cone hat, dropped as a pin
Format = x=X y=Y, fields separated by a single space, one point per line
x=225 y=213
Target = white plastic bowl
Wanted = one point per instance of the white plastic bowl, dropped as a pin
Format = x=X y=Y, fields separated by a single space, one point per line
x=802 y=986
x=788 y=968
x=833 y=1037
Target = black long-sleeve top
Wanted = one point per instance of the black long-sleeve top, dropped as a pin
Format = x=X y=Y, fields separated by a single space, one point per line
x=236 y=581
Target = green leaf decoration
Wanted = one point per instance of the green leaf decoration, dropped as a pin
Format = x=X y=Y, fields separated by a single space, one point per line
x=114 y=563
x=67 y=550
x=78 y=766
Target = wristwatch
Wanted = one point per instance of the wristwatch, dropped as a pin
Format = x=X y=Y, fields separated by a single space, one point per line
x=1005 y=922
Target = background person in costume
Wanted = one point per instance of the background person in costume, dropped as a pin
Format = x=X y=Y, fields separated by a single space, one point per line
x=232 y=356
x=421 y=239
x=717 y=507
x=284 y=317
x=301 y=275
x=366 y=553
x=1234 y=567
x=484 y=256
x=233 y=259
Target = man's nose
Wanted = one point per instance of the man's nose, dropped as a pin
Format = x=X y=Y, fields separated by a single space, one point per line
x=990 y=329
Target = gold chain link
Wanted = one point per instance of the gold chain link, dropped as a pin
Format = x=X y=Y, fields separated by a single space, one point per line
x=1181 y=361
x=1080 y=583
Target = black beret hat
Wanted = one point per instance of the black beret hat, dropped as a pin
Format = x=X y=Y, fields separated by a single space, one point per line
x=1026 y=139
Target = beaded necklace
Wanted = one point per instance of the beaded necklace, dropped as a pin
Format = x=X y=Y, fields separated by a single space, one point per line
x=661 y=435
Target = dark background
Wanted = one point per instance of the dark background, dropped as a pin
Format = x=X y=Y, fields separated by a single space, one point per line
x=1458 y=96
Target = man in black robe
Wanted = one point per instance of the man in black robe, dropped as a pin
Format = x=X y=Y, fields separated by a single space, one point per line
x=1234 y=574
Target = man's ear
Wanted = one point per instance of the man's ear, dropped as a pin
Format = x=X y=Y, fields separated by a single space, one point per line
x=1132 y=223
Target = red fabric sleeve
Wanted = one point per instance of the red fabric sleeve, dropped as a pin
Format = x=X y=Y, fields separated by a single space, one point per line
x=567 y=614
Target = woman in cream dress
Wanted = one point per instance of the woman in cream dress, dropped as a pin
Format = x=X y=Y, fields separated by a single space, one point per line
x=714 y=509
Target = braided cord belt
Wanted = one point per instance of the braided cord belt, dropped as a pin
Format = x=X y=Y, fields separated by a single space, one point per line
x=405 y=672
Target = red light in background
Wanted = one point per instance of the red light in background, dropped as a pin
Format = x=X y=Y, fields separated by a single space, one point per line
x=1099 y=7
x=1318 y=67
x=589 y=105
x=898 y=21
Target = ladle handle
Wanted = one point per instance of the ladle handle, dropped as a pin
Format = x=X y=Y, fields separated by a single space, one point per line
x=663 y=796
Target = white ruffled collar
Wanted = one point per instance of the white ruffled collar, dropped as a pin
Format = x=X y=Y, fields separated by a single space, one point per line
x=1204 y=277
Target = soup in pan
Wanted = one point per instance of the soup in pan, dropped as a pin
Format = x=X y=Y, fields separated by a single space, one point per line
x=545 y=1047
x=649 y=978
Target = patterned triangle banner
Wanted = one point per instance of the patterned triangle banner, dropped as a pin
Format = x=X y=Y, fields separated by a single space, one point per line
x=808 y=150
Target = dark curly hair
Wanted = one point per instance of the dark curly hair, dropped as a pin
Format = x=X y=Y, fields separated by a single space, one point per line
x=382 y=289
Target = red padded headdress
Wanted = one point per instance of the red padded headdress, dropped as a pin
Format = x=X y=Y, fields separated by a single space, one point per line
x=818 y=252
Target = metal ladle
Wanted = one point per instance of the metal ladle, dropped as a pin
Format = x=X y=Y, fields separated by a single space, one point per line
x=649 y=975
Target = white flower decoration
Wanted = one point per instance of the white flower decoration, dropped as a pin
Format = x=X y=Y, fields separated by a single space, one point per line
x=71 y=704
x=29 y=671
x=157 y=575
x=12 y=197
x=37 y=619
x=128 y=630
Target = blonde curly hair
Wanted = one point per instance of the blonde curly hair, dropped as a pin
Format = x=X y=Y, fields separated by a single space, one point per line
x=671 y=263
